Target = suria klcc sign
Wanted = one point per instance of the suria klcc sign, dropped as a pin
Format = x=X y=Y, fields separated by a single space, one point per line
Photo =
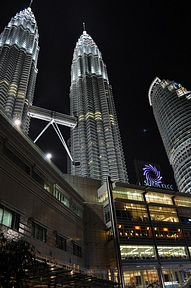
x=153 y=178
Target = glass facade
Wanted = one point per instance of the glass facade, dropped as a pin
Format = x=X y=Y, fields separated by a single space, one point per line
x=128 y=194
x=131 y=211
x=172 y=252
x=167 y=233
x=164 y=214
x=182 y=201
x=154 y=233
x=133 y=232
x=140 y=278
x=158 y=198
x=137 y=252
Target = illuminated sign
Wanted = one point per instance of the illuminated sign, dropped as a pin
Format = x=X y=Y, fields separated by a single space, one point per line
x=153 y=177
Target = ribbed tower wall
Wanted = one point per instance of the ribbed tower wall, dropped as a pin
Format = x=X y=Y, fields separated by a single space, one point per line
x=172 y=111
x=95 y=142
x=18 y=66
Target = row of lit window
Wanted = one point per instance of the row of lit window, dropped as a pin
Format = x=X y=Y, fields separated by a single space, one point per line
x=148 y=252
x=139 y=213
x=150 y=197
x=146 y=232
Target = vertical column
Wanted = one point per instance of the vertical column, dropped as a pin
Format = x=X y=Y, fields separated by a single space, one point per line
x=159 y=268
x=115 y=233
x=142 y=279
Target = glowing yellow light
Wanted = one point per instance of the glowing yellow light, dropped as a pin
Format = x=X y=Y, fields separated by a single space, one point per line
x=137 y=227
x=165 y=229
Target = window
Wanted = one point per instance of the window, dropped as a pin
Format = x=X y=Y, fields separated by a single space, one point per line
x=139 y=252
x=58 y=194
x=131 y=212
x=135 y=277
x=185 y=220
x=163 y=214
x=60 y=242
x=182 y=201
x=167 y=233
x=39 y=232
x=133 y=232
x=128 y=193
x=38 y=178
x=15 y=159
x=9 y=218
x=158 y=198
x=77 y=250
x=169 y=252
x=47 y=186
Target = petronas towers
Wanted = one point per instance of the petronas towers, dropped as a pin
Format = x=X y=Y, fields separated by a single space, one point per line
x=18 y=66
x=95 y=142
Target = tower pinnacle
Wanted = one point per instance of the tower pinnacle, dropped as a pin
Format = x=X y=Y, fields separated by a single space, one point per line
x=84 y=28
x=30 y=3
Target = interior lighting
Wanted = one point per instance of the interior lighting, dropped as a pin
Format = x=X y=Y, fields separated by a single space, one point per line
x=165 y=229
x=137 y=227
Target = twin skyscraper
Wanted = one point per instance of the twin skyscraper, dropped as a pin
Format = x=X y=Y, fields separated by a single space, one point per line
x=95 y=141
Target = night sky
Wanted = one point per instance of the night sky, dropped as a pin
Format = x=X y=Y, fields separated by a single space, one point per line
x=138 y=42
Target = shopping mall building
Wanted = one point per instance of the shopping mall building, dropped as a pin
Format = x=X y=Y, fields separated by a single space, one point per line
x=101 y=234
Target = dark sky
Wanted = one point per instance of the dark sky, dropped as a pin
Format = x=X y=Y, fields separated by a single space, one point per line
x=138 y=42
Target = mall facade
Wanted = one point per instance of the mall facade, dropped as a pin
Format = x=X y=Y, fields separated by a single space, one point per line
x=100 y=234
x=152 y=228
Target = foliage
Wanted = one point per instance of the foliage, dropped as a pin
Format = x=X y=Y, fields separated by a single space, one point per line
x=17 y=258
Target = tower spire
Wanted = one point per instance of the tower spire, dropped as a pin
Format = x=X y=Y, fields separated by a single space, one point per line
x=30 y=3
x=84 y=28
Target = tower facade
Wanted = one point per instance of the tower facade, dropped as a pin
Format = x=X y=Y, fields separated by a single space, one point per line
x=95 y=142
x=18 y=66
x=172 y=112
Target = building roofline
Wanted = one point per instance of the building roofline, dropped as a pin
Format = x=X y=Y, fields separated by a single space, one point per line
x=155 y=82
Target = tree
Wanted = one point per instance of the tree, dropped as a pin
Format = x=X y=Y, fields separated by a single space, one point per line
x=17 y=261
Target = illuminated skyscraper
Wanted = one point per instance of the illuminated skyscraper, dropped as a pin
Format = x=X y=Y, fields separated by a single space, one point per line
x=95 y=142
x=172 y=112
x=18 y=66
